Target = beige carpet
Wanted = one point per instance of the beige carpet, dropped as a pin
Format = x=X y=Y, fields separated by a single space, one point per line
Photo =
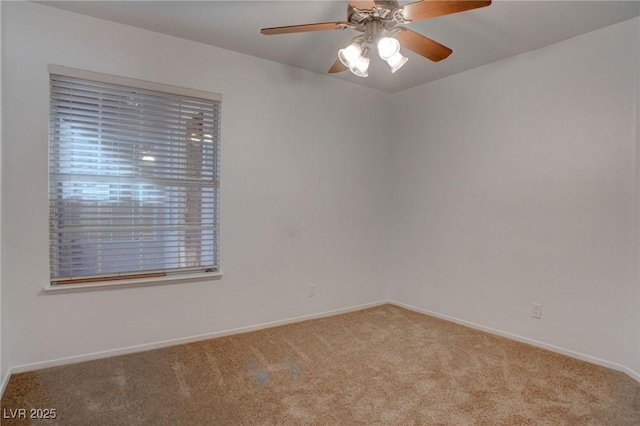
x=383 y=365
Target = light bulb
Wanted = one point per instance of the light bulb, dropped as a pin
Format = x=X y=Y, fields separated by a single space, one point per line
x=361 y=67
x=350 y=54
x=396 y=61
x=387 y=47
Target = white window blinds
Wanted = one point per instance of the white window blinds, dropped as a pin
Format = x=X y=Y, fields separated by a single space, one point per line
x=133 y=181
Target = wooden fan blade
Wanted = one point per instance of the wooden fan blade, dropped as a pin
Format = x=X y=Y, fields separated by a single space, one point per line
x=324 y=26
x=430 y=9
x=362 y=4
x=337 y=66
x=422 y=45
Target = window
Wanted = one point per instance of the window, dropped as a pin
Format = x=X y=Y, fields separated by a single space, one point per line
x=133 y=178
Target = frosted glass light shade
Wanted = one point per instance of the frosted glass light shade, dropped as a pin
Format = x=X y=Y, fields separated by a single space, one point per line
x=350 y=54
x=388 y=47
x=361 y=67
x=396 y=61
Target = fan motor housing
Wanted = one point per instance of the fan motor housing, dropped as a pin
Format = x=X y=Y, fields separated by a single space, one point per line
x=382 y=12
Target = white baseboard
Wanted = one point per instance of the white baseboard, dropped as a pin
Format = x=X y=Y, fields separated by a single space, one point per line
x=5 y=381
x=172 y=342
x=634 y=375
x=180 y=341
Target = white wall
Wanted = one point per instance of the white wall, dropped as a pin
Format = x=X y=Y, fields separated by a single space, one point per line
x=516 y=183
x=303 y=195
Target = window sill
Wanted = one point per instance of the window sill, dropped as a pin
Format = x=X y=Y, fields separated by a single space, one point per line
x=171 y=279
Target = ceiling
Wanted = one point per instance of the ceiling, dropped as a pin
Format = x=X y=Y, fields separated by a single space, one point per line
x=477 y=37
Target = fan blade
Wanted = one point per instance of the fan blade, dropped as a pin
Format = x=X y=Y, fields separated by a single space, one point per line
x=422 y=45
x=324 y=26
x=362 y=4
x=431 y=9
x=337 y=66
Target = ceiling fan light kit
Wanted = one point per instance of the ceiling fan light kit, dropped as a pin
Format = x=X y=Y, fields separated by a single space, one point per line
x=356 y=56
x=380 y=21
x=357 y=62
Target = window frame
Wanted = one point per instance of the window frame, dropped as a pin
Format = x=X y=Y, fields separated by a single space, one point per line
x=129 y=279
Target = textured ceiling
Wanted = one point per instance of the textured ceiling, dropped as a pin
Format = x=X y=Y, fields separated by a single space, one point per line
x=477 y=37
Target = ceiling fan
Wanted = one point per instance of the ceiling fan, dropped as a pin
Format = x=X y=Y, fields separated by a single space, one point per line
x=379 y=21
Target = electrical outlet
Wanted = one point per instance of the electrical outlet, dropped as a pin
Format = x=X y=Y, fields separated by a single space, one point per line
x=536 y=310
x=312 y=290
